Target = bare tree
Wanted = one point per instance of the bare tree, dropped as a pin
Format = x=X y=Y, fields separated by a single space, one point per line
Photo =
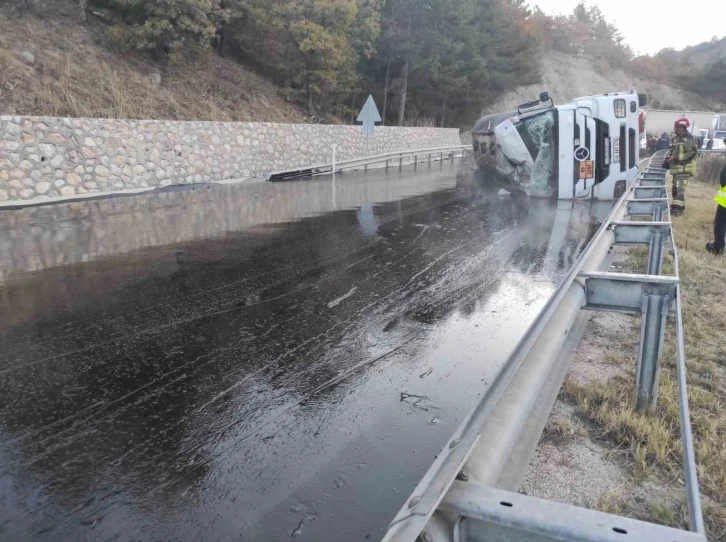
x=386 y=90
x=404 y=92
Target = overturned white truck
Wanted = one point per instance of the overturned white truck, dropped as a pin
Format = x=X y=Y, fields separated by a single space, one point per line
x=587 y=148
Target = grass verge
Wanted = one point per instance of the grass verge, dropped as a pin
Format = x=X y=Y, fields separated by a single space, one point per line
x=710 y=166
x=651 y=441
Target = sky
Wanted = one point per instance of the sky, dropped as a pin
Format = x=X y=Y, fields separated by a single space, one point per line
x=651 y=25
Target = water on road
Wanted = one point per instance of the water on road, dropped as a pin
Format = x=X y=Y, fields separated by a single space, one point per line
x=257 y=362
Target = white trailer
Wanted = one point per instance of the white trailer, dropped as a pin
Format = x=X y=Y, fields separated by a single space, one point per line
x=660 y=120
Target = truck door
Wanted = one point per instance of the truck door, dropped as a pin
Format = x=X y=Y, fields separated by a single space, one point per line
x=584 y=154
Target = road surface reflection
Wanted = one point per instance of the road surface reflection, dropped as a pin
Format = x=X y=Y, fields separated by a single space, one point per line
x=257 y=362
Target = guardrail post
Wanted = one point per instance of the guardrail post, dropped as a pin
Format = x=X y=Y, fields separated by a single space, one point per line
x=335 y=148
x=654 y=312
x=655 y=253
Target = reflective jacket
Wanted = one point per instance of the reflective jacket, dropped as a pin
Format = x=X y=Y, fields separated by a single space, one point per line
x=683 y=154
x=721 y=194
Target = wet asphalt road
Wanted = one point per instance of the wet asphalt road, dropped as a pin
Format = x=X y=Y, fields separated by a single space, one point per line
x=259 y=362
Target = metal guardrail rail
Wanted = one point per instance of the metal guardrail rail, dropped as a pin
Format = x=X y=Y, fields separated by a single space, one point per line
x=364 y=162
x=469 y=493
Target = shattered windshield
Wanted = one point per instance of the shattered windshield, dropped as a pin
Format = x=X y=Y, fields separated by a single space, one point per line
x=537 y=134
x=522 y=156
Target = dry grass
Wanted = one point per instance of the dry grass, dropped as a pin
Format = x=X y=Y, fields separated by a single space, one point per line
x=612 y=503
x=421 y=121
x=661 y=512
x=77 y=75
x=651 y=441
x=710 y=167
x=559 y=432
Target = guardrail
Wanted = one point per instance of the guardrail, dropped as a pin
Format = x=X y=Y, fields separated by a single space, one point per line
x=457 y=500
x=706 y=152
x=358 y=163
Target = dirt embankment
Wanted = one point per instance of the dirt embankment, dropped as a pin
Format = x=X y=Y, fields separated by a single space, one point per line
x=567 y=77
x=58 y=67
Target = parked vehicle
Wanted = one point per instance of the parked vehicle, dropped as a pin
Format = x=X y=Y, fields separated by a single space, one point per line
x=717 y=133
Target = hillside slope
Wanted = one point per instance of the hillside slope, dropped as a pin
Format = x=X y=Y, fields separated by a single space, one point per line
x=74 y=73
x=703 y=54
x=567 y=77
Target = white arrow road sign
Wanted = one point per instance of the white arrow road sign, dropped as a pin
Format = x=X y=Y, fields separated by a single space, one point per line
x=369 y=115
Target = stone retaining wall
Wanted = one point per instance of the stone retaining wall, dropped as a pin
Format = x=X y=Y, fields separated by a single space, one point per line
x=43 y=157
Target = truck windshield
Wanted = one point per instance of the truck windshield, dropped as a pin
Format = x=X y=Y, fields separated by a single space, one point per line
x=537 y=133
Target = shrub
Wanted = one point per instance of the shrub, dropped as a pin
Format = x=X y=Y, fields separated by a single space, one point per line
x=166 y=27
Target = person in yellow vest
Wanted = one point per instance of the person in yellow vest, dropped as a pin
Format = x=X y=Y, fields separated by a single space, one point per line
x=681 y=161
x=719 y=223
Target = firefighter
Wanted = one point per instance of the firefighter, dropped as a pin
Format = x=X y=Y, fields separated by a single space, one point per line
x=719 y=223
x=681 y=161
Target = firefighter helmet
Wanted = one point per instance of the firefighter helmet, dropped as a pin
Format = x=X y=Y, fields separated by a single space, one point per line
x=682 y=122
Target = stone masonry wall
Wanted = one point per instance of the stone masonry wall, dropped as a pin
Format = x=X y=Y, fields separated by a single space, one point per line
x=44 y=157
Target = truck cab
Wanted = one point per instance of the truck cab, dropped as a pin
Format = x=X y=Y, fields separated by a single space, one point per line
x=587 y=148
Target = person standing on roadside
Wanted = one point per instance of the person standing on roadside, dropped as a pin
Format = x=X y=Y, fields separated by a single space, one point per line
x=681 y=161
x=719 y=222
x=663 y=143
x=651 y=142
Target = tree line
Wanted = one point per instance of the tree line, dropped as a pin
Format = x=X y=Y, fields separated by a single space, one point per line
x=425 y=61
x=700 y=68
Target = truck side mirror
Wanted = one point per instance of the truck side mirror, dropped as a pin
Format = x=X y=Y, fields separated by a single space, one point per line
x=642 y=100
